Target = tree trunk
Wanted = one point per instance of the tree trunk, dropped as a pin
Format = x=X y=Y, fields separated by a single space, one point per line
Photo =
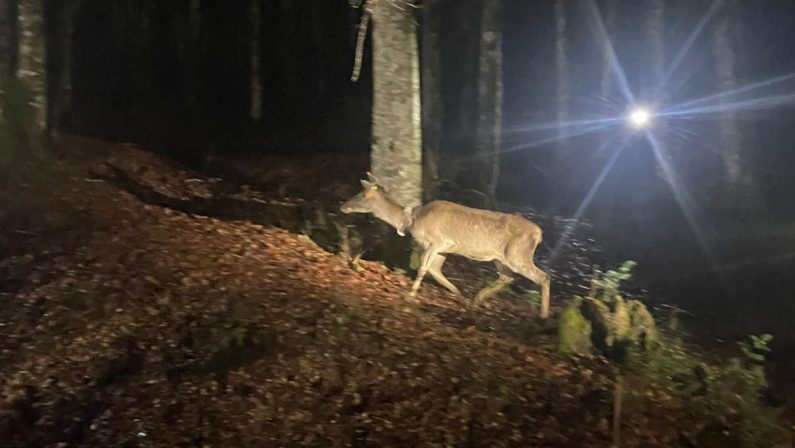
x=31 y=67
x=606 y=87
x=8 y=38
x=396 y=157
x=60 y=103
x=490 y=90
x=655 y=20
x=255 y=74
x=724 y=50
x=432 y=105
x=562 y=74
x=606 y=83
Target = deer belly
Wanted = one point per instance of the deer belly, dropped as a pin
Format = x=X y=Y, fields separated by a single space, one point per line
x=474 y=252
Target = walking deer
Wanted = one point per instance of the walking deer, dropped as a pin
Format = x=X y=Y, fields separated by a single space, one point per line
x=444 y=228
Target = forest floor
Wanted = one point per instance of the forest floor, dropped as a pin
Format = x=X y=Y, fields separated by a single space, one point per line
x=134 y=312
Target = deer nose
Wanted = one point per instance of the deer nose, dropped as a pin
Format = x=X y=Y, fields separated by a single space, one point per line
x=345 y=209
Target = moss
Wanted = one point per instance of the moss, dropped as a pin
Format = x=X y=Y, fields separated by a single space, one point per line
x=574 y=330
x=643 y=330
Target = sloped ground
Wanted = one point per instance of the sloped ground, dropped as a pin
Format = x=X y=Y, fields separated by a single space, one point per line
x=124 y=323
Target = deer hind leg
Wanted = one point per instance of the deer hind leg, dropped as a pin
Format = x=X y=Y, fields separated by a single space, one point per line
x=540 y=278
x=435 y=270
x=520 y=260
x=504 y=280
x=427 y=259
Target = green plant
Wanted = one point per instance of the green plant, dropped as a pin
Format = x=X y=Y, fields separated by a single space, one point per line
x=610 y=282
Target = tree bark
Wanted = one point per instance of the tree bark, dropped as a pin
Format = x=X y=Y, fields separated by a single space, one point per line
x=490 y=92
x=396 y=158
x=31 y=67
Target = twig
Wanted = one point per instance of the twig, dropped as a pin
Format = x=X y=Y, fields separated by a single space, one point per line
x=618 y=398
x=594 y=281
x=362 y=35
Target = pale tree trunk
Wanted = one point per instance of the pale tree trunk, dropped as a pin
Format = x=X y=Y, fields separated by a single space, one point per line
x=606 y=87
x=724 y=51
x=562 y=73
x=432 y=105
x=606 y=83
x=655 y=20
x=255 y=75
x=396 y=157
x=490 y=91
x=31 y=66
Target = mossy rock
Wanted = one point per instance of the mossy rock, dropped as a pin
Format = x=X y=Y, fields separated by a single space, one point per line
x=574 y=330
x=613 y=330
x=642 y=328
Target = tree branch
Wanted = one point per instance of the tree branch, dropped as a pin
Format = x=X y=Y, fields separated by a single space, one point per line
x=363 y=24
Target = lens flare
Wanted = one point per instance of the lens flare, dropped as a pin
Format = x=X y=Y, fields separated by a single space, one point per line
x=639 y=117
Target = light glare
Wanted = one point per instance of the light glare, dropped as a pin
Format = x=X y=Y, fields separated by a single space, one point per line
x=639 y=118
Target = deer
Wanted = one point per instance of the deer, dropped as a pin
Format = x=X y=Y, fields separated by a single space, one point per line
x=445 y=228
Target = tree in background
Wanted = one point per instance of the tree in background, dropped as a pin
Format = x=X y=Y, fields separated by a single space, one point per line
x=431 y=90
x=23 y=79
x=490 y=91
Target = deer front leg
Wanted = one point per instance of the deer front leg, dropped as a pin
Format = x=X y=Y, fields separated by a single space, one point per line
x=427 y=259
x=436 y=272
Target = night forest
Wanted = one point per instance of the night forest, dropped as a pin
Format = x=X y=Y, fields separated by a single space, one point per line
x=216 y=221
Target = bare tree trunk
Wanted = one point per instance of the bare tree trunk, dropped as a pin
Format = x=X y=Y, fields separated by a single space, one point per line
x=606 y=84
x=562 y=72
x=606 y=87
x=724 y=50
x=255 y=74
x=31 y=67
x=432 y=105
x=490 y=91
x=61 y=102
x=654 y=27
x=8 y=40
x=396 y=157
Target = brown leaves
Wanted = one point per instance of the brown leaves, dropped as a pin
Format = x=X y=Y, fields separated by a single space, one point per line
x=168 y=329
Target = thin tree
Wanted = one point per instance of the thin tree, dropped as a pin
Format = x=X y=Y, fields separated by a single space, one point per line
x=562 y=93
x=490 y=92
x=724 y=45
x=31 y=67
x=431 y=90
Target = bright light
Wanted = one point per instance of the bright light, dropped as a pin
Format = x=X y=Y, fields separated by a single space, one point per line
x=639 y=118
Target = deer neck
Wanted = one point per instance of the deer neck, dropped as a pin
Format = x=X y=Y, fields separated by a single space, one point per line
x=395 y=215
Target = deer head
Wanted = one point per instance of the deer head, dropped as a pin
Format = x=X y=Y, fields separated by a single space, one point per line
x=376 y=201
x=368 y=201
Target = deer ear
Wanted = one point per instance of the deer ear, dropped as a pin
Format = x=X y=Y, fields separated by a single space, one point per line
x=367 y=185
x=371 y=177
